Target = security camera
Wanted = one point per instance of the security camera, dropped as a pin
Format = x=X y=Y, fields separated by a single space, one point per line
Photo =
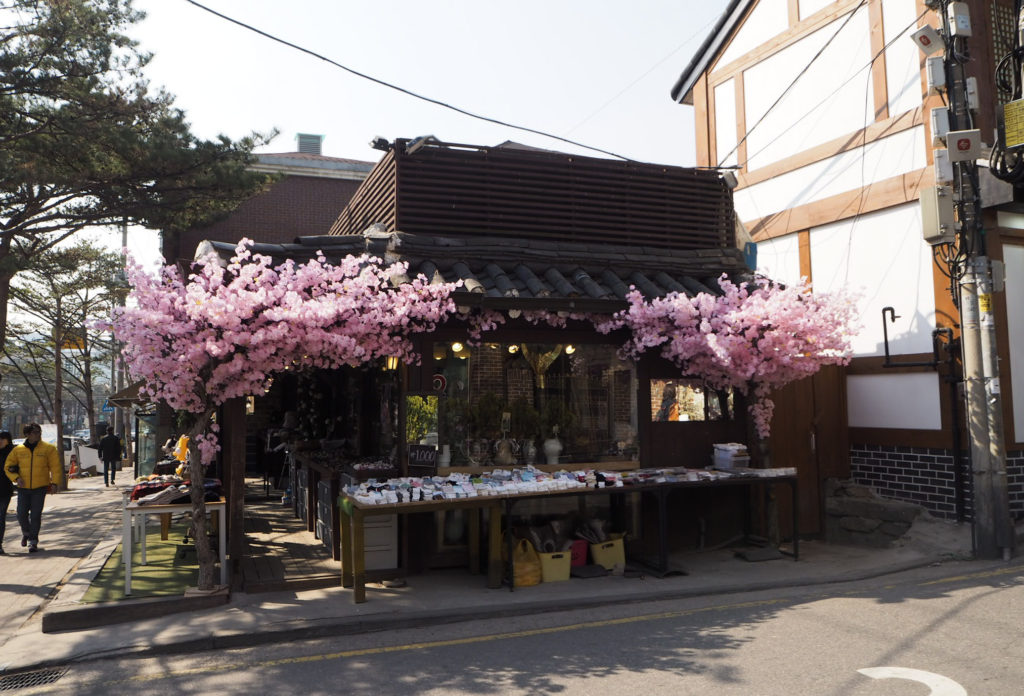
x=379 y=142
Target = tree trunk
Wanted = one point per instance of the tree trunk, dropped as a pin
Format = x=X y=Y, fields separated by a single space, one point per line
x=767 y=509
x=204 y=551
x=58 y=393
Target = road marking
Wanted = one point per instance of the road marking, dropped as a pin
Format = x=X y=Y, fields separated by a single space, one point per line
x=382 y=650
x=974 y=576
x=939 y=685
x=815 y=596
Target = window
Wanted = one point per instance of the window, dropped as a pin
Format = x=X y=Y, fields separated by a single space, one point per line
x=689 y=400
x=498 y=403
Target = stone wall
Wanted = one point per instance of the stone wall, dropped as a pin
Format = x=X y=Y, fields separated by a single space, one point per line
x=855 y=514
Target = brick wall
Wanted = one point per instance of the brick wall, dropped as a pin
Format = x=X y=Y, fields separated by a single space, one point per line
x=293 y=206
x=926 y=476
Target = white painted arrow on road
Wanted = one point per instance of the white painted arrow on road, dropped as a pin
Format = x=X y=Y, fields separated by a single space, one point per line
x=939 y=685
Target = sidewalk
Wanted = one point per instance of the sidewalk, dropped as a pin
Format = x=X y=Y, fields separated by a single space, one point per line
x=81 y=528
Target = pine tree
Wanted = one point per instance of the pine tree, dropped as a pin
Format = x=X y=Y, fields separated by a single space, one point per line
x=85 y=141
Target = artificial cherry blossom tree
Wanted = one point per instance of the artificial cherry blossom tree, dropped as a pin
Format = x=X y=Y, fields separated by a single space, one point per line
x=225 y=331
x=754 y=338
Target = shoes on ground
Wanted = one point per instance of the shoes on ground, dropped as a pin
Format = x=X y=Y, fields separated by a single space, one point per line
x=2 y=552
x=24 y=540
x=33 y=549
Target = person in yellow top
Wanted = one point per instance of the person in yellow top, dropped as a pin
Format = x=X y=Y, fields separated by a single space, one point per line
x=35 y=468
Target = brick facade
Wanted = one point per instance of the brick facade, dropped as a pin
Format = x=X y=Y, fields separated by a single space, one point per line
x=292 y=207
x=926 y=476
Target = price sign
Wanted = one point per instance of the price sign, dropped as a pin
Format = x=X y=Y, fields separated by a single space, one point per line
x=422 y=460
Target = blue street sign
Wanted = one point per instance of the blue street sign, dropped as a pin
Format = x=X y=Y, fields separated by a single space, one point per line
x=107 y=408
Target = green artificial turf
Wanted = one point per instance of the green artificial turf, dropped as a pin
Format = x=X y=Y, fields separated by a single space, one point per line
x=164 y=575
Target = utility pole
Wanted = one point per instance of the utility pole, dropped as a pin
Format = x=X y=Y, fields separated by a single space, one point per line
x=971 y=275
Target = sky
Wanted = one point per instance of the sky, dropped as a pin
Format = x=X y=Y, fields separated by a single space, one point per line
x=598 y=72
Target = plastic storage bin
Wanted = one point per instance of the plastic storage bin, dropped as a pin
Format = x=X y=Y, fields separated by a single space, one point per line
x=609 y=553
x=554 y=567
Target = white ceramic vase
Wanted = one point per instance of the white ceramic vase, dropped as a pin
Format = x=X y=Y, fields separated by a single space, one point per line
x=552 y=448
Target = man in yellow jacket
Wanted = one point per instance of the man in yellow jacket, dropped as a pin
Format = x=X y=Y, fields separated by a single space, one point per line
x=35 y=468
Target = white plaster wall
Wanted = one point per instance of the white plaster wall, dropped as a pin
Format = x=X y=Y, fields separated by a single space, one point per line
x=1013 y=257
x=809 y=7
x=902 y=58
x=882 y=256
x=725 y=123
x=1011 y=220
x=894 y=401
x=779 y=259
x=832 y=98
x=851 y=170
x=768 y=18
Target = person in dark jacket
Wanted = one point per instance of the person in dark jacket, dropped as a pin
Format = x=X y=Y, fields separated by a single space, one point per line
x=6 y=487
x=110 y=453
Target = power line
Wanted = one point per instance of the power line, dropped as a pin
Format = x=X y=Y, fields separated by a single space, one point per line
x=410 y=93
x=630 y=86
x=772 y=216
x=831 y=94
x=807 y=67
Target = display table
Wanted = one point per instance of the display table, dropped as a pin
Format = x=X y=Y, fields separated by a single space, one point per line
x=353 y=513
x=133 y=521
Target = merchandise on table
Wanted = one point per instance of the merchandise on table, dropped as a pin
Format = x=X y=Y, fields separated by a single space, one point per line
x=508 y=482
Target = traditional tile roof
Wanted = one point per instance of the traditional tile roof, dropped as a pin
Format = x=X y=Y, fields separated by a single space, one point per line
x=502 y=273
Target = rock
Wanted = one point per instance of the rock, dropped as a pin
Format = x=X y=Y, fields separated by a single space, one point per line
x=894 y=529
x=877 y=508
x=859 y=524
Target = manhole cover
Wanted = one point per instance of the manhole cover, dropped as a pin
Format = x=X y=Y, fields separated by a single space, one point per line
x=38 y=677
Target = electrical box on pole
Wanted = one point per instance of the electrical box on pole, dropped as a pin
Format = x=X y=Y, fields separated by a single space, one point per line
x=935 y=70
x=940 y=125
x=928 y=40
x=938 y=224
x=972 y=93
x=959 y=19
x=964 y=145
x=943 y=167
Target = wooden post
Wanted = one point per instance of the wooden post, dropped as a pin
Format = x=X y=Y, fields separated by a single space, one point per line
x=233 y=443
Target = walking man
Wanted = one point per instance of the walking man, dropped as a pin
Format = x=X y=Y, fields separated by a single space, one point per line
x=6 y=487
x=36 y=469
x=110 y=453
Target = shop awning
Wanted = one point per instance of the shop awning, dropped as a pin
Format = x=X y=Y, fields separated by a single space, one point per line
x=128 y=397
x=502 y=273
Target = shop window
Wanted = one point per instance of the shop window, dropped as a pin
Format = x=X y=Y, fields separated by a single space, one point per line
x=511 y=404
x=689 y=400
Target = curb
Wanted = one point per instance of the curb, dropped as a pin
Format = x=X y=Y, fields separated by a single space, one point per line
x=77 y=617
x=71 y=617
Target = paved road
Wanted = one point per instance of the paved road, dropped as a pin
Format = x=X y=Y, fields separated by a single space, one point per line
x=931 y=631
